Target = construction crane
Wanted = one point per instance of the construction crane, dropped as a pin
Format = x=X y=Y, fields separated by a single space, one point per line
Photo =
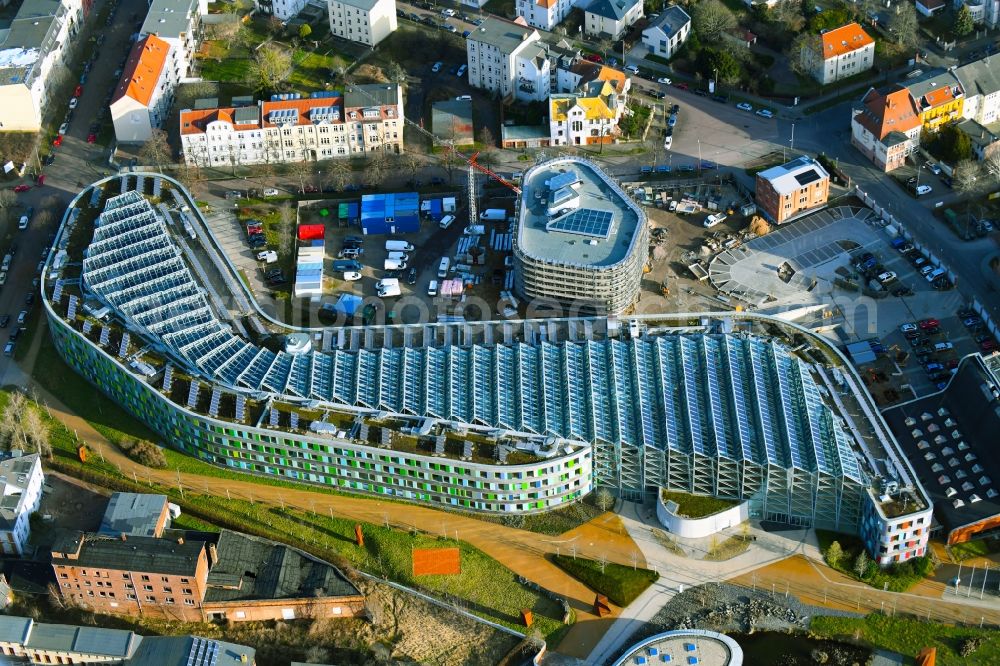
x=470 y=162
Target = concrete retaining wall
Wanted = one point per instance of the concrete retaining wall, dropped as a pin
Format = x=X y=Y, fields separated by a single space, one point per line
x=694 y=528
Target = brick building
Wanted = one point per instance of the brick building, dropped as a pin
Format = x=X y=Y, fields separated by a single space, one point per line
x=886 y=127
x=791 y=190
x=134 y=575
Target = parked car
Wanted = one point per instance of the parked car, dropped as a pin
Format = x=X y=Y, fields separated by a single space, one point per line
x=664 y=80
x=928 y=323
x=744 y=106
x=352 y=276
x=593 y=57
x=887 y=276
x=270 y=192
x=681 y=86
x=765 y=113
x=73 y=102
x=908 y=328
x=437 y=67
x=972 y=321
x=923 y=189
x=933 y=168
x=461 y=71
x=63 y=129
x=22 y=188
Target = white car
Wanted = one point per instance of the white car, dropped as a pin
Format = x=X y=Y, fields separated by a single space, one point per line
x=924 y=270
x=352 y=276
x=461 y=70
x=464 y=98
x=437 y=67
x=448 y=12
x=668 y=141
x=744 y=106
x=714 y=219
x=923 y=189
x=73 y=102
x=888 y=276
x=765 y=113
x=934 y=168
x=664 y=80
x=908 y=328
x=631 y=68
x=270 y=192
x=63 y=129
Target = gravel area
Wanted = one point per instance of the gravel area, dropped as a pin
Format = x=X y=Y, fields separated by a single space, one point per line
x=731 y=609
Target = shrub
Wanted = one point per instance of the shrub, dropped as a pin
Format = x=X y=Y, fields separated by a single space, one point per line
x=969 y=645
x=143 y=452
x=621 y=584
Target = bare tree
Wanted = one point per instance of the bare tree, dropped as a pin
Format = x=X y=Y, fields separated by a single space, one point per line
x=336 y=173
x=302 y=172
x=969 y=178
x=156 y=150
x=485 y=138
x=801 y=53
x=269 y=67
x=395 y=72
x=376 y=168
x=188 y=176
x=450 y=160
x=411 y=163
x=903 y=24
x=991 y=163
x=710 y=19
x=7 y=201
x=37 y=432
x=603 y=499
x=12 y=432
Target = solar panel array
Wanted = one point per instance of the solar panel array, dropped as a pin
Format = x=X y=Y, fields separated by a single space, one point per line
x=204 y=652
x=283 y=116
x=321 y=114
x=583 y=221
x=738 y=398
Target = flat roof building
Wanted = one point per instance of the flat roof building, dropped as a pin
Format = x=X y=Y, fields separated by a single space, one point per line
x=580 y=241
x=135 y=514
x=792 y=190
x=42 y=643
x=451 y=120
x=683 y=647
x=21 y=481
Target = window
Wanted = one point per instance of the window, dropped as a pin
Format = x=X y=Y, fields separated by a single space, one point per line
x=144 y=579
x=147 y=588
x=164 y=579
x=168 y=600
x=187 y=590
x=189 y=602
x=150 y=598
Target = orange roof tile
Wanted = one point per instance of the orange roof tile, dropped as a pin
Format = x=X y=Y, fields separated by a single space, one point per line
x=194 y=122
x=547 y=4
x=844 y=39
x=142 y=70
x=938 y=96
x=895 y=111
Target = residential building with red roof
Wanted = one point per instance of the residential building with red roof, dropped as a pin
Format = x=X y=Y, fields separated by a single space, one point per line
x=839 y=53
x=886 y=127
x=145 y=92
x=364 y=119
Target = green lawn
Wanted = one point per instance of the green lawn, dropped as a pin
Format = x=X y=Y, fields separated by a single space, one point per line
x=621 y=584
x=553 y=523
x=970 y=549
x=312 y=71
x=228 y=69
x=910 y=636
x=696 y=506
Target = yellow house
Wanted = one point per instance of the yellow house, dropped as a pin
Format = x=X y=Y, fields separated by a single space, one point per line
x=588 y=118
x=939 y=97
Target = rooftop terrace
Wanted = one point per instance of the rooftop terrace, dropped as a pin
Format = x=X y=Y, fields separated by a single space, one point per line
x=594 y=223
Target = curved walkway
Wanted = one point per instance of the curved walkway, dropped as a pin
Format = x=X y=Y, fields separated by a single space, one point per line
x=521 y=551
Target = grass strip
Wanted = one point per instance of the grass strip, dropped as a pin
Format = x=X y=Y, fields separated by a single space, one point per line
x=619 y=583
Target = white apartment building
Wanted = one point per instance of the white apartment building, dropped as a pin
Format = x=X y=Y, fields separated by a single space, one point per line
x=35 y=47
x=668 y=32
x=283 y=10
x=145 y=92
x=895 y=533
x=367 y=118
x=981 y=81
x=364 y=21
x=984 y=12
x=611 y=18
x=839 y=53
x=178 y=23
x=544 y=14
x=509 y=60
x=21 y=481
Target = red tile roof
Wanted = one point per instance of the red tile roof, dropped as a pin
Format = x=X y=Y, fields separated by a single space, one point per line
x=194 y=122
x=844 y=39
x=142 y=70
x=895 y=111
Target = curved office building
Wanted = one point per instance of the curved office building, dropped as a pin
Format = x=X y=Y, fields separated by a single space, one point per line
x=580 y=240
x=491 y=416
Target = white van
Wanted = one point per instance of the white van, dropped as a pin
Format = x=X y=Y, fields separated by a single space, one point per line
x=432 y=288
x=398 y=246
x=493 y=215
x=388 y=287
x=943 y=346
x=446 y=221
x=399 y=256
x=443 y=267
x=394 y=265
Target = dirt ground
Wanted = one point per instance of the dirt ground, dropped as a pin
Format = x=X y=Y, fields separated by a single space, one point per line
x=818 y=585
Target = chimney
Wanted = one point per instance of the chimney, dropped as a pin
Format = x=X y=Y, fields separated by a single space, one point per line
x=180 y=541
x=213 y=555
x=124 y=536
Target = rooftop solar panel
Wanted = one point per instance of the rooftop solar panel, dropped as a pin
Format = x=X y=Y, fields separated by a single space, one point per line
x=585 y=222
x=807 y=177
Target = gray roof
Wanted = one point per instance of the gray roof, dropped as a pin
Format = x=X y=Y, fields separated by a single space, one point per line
x=596 y=193
x=931 y=81
x=133 y=514
x=981 y=136
x=169 y=18
x=83 y=640
x=612 y=9
x=452 y=119
x=980 y=77
x=504 y=35
x=365 y=5
x=15 y=474
x=524 y=132
x=145 y=554
x=190 y=651
x=14 y=629
x=264 y=569
x=671 y=20
x=372 y=94
x=31 y=35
